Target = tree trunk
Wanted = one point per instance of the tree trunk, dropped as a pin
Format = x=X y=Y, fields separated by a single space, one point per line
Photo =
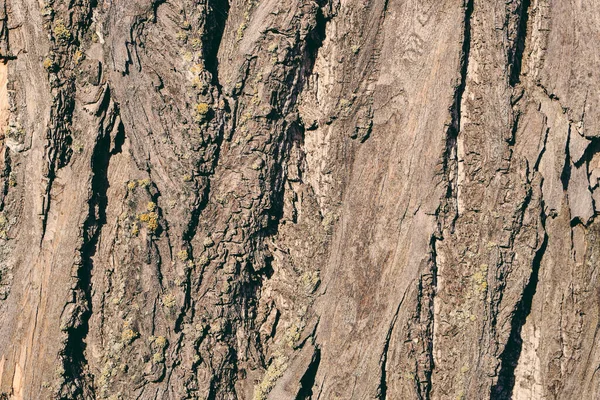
x=300 y=199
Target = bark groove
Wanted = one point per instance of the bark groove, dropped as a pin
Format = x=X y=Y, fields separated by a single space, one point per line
x=312 y=199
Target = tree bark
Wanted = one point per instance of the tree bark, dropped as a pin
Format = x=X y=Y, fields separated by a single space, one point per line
x=302 y=199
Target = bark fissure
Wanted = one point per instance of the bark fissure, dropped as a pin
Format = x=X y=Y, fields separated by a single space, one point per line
x=382 y=388
x=282 y=217
x=66 y=36
x=219 y=14
x=74 y=352
x=450 y=157
x=515 y=59
x=307 y=382
x=509 y=358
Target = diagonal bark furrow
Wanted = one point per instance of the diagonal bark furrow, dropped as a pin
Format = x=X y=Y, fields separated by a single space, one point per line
x=66 y=35
x=565 y=175
x=382 y=389
x=512 y=351
x=427 y=291
x=450 y=157
x=307 y=382
x=446 y=215
x=5 y=54
x=5 y=177
x=254 y=266
x=515 y=57
x=218 y=15
x=73 y=354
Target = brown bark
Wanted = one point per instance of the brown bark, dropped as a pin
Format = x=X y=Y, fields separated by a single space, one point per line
x=309 y=199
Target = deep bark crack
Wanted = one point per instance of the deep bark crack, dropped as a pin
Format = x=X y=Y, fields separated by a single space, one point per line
x=515 y=59
x=308 y=379
x=73 y=354
x=509 y=358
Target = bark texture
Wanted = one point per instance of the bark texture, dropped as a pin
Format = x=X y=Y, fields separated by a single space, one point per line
x=299 y=199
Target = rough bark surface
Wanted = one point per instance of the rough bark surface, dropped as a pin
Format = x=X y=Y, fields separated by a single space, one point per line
x=300 y=199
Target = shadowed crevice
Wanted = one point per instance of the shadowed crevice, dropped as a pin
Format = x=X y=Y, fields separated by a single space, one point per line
x=217 y=20
x=515 y=59
x=77 y=381
x=503 y=389
x=308 y=379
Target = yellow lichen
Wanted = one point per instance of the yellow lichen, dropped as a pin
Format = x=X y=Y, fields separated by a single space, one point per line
x=144 y=182
x=48 y=64
x=182 y=255
x=480 y=279
x=169 y=300
x=198 y=83
x=274 y=372
x=158 y=358
x=292 y=335
x=129 y=335
x=151 y=220
x=61 y=32
x=12 y=179
x=135 y=229
x=201 y=111
x=203 y=260
x=77 y=57
x=197 y=69
x=196 y=43
x=310 y=280
x=240 y=31
x=161 y=342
